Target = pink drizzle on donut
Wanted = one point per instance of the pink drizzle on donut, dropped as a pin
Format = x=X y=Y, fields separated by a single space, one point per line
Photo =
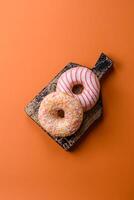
x=84 y=76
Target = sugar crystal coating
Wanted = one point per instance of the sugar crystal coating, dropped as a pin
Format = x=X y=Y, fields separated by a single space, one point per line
x=54 y=124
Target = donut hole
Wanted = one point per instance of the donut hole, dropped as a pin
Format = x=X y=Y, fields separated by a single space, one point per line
x=60 y=113
x=77 y=89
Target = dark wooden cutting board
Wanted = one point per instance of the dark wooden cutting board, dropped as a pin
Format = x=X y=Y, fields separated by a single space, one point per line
x=102 y=66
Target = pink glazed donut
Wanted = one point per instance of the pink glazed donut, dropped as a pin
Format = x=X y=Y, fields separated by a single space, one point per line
x=84 y=77
x=60 y=114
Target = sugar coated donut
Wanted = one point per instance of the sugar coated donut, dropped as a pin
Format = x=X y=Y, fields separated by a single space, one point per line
x=60 y=114
x=84 y=77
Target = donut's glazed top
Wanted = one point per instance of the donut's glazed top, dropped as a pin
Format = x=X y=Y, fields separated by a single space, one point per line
x=84 y=76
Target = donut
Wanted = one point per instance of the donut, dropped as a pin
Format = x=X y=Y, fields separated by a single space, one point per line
x=60 y=114
x=84 y=77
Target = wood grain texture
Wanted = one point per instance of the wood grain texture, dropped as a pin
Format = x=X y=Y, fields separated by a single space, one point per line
x=103 y=65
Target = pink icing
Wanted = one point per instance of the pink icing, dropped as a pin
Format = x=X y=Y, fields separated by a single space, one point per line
x=84 y=76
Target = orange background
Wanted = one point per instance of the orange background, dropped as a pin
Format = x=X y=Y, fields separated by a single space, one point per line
x=37 y=38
